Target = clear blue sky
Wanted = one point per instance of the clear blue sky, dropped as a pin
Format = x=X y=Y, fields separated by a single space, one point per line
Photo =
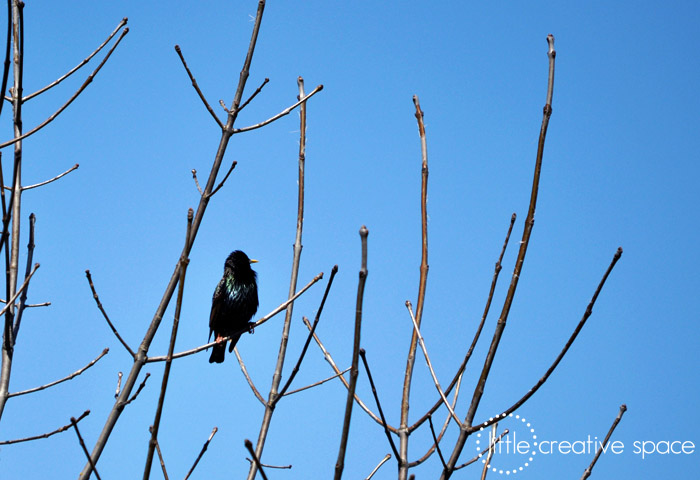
x=620 y=169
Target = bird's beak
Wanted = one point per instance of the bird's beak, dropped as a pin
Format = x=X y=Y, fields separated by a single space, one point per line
x=252 y=260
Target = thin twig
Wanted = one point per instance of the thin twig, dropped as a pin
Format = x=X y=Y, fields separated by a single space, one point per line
x=487 y=463
x=284 y=112
x=160 y=455
x=77 y=67
x=184 y=262
x=481 y=454
x=46 y=435
x=104 y=314
x=460 y=370
x=201 y=452
x=138 y=390
x=436 y=442
x=430 y=365
x=196 y=182
x=256 y=392
x=278 y=467
x=64 y=379
x=74 y=424
x=577 y=330
x=382 y=462
x=23 y=297
x=320 y=382
x=71 y=99
x=233 y=165
x=340 y=463
x=255 y=93
x=589 y=469
x=503 y=317
x=295 y=370
x=256 y=460
x=119 y=385
x=19 y=292
x=29 y=187
x=327 y=356
x=379 y=405
x=247 y=328
x=196 y=87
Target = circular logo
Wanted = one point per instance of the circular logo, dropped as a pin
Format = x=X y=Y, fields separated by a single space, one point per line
x=509 y=453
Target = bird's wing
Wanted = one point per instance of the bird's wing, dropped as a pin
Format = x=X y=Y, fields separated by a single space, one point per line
x=216 y=303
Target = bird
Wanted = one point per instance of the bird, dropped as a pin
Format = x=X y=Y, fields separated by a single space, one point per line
x=234 y=303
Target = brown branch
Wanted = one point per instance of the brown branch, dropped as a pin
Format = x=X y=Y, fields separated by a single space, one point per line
x=320 y=382
x=160 y=455
x=295 y=370
x=138 y=390
x=382 y=462
x=284 y=112
x=23 y=297
x=77 y=67
x=119 y=385
x=64 y=379
x=247 y=377
x=527 y=231
x=416 y=331
x=462 y=367
x=340 y=463
x=577 y=330
x=481 y=454
x=71 y=99
x=74 y=424
x=196 y=182
x=255 y=93
x=201 y=452
x=104 y=314
x=29 y=187
x=256 y=460
x=46 y=435
x=338 y=374
x=436 y=442
x=379 y=405
x=589 y=469
x=422 y=282
x=485 y=470
x=255 y=325
x=19 y=292
x=196 y=87
x=184 y=262
x=218 y=187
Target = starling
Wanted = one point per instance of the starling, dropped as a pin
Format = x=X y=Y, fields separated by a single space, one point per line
x=234 y=304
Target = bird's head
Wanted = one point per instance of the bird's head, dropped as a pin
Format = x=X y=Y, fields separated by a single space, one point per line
x=239 y=261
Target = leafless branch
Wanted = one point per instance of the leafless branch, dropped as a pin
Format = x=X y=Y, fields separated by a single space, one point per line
x=430 y=365
x=201 y=452
x=64 y=379
x=138 y=390
x=265 y=465
x=104 y=314
x=589 y=469
x=481 y=454
x=527 y=231
x=255 y=325
x=485 y=470
x=46 y=435
x=184 y=262
x=340 y=463
x=382 y=462
x=255 y=93
x=436 y=442
x=320 y=382
x=284 y=112
x=77 y=67
x=295 y=370
x=256 y=392
x=196 y=87
x=218 y=187
x=379 y=405
x=461 y=368
x=338 y=373
x=196 y=182
x=74 y=424
x=577 y=330
x=29 y=187
x=160 y=455
x=256 y=460
x=71 y=99
x=19 y=292
x=23 y=297
x=119 y=385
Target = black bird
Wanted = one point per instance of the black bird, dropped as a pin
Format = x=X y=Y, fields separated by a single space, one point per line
x=234 y=304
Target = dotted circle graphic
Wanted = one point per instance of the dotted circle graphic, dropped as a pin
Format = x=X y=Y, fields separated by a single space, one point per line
x=484 y=449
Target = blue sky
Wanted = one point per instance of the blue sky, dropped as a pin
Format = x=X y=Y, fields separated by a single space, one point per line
x=620 y=169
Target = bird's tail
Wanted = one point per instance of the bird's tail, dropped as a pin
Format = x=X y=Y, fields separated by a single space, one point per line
x=234 y=340
x=218 y=353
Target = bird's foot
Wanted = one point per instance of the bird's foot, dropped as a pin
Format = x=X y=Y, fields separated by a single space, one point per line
x=251 y=327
